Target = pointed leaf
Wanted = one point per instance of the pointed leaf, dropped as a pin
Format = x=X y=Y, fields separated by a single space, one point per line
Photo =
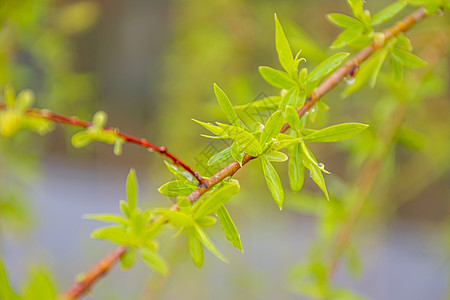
x=292 y=117
x=132 y=190
x=180 y=173
x=177 y=188
x=272 y=127
x=243 y=138
x=208 y=244
x=213 y=128
x=195 y=248
x=220 y=157
x=283 y=49
x=176 y=218
x=153 y=261
x=327 y=66
x=115 y=234
x=229 y=228
x=407 y=58
x=347 y=36
x=273 y=182
x=226 y=106
x=206 y=221
x=343 y=20
x=336 y=133
x=276 y=78
x=388 y=12
x=276 y=156
x=216 y=200
x=268 y=103
x=296 y=169
x=311 y=164
x=107 y=218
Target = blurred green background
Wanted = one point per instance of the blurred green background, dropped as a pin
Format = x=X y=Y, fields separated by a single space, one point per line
x=151 y=66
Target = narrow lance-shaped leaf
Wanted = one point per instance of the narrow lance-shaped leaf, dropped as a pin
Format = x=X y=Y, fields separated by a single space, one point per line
x=336 y=133
x=132 y=190
x=296 y=169
x=176 y=218
x=115 y=234
x=220 y=157
x=229 y=228
x=292 y=117
x=153 y=261
x=327 y=66
x=273 y=182
x=243 y=138
x=276 y=78
x=213 y=128
x=216 y=200
x=276 y=156
x=408 y=59
x=342 y=20
x=316 y=173
x=179 y=173
x=388 y=12
x=272 y=127
x=107 y=218
x=226 y=106
x=208 y=244
x=40 y=287
x=282 y=45
x=195 y=248
x=177 y=188
x=347 y=36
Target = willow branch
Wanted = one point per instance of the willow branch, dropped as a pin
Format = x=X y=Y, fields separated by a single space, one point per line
x=74 y=121
x=80 y=287
x=348 y=69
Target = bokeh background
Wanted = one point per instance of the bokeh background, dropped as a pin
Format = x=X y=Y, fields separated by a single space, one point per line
x=151 y=66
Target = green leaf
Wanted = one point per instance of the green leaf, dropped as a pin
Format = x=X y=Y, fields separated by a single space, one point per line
x=206 y=221
x=100 y=118
x=357 y=8
x=40 y=287
x=177 y=188
x=276 y=78
x=327 y=66
x=292 y=98
x=226 y=106
x=176 y=218
x=218 y=198
x=408 y=59
x=283 y=49
x=80 y=139
x=118 y=146
x=115 y=234
x=272 y=127
x=296 y=169
x=292 y=117
x=107 y=218
x=243 y=138
x=343 y=20
x=347 y=36
x=273 y=182
x=220 y=157
x=311 y=164
x=268 y=103
x=6 y=291
x=229 y=228
x=213 y=128
x=132 y=190
x=180 y=173
x=336 y=133
x=284 y=141
x=388 y=12
x=128 y=259
x=195 y=248
x=208 y=244
x=237 y=152
x=9 y=95
x=276 y=156
x=153 y=261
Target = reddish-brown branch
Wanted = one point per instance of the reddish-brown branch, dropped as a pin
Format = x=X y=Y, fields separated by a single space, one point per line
x=74 y=121
x=80 y=287
x=232 y=168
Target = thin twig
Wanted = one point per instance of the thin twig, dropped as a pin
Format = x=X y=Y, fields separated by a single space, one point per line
x=327 y=85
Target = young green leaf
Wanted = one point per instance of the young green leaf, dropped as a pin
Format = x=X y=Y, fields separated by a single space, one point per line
x=153 y=261
x=229 y=228
x=40 y=287
x=115 y=234
x=388 y=12
x=276 y=156
x=408 y=59
x=132 y=190
x=206 y=221
x=208 y=244
x=179 y=173
x=107 y=218
x=276 y=78
x=213 y=128
x=292 y=97
x=195 y=248
x=343 y=20
x=118 y=146
x=282 y=45
x=243 y=138
x=285 y=140
x=327 y=66
x=177 y=188
x=80 y=139
x=347 y=36
x=292 y=117
x=226 y=106
x=6 y=291
x=218 y=198
x=220 y=157
x=237 y=152
x=176 y=218
x=128 y=259
x=269 y=103
x=272 y=127
x=357 y=8
x=310 y=163
x=336 y=133
x=273 y=182
x=296 y=169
